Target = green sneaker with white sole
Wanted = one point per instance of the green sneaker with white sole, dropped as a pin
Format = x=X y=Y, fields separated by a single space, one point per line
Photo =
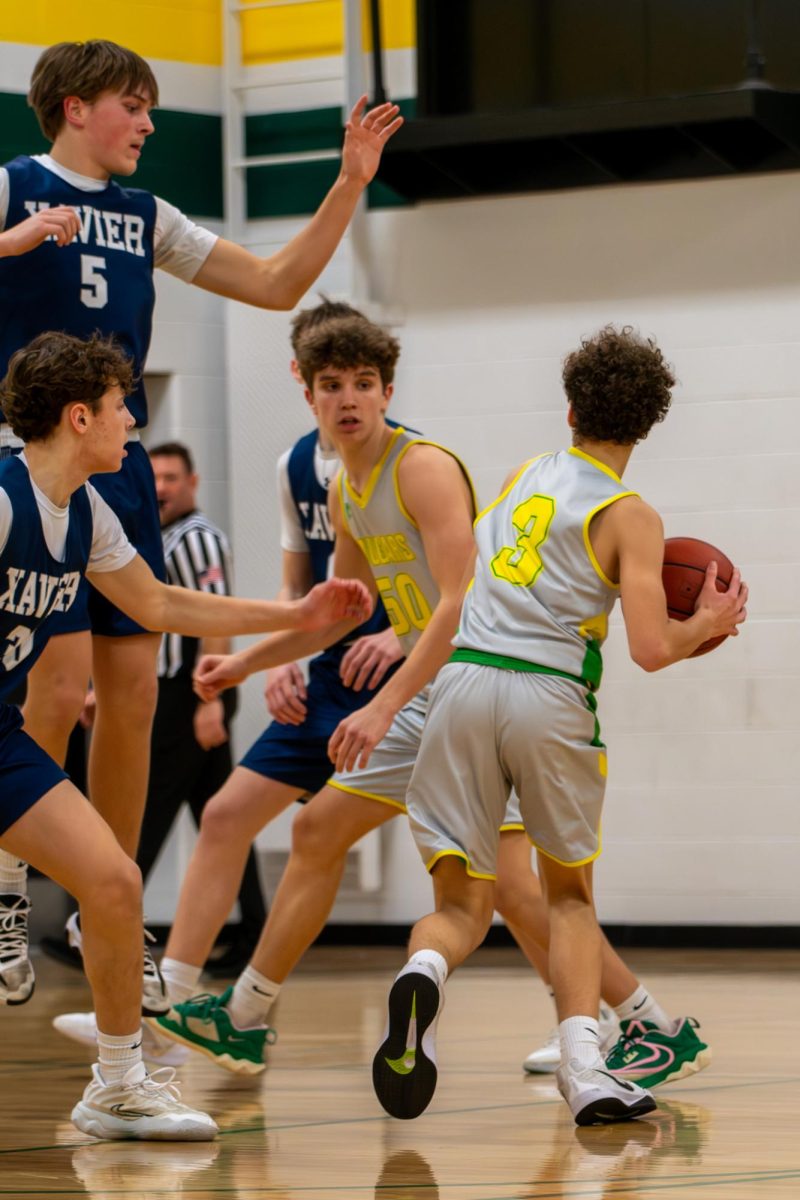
x=204 y=1024
x=648 y=1056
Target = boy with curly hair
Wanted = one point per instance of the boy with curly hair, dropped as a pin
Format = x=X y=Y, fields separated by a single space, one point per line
x=516 y=707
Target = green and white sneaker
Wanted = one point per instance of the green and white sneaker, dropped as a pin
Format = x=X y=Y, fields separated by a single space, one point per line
x=649 y=1056
x=204 y=1024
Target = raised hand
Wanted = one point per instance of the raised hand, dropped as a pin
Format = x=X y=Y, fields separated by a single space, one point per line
x=61 y=223
x=366 y=133
x=333 y=601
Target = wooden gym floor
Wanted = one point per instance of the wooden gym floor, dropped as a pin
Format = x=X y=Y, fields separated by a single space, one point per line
x=311 y=1129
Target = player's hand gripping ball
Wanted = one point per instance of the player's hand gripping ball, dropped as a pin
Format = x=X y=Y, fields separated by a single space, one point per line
x=685 y=563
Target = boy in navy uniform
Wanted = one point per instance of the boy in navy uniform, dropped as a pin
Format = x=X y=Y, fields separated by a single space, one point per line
x=77 y=251
x=66 y=399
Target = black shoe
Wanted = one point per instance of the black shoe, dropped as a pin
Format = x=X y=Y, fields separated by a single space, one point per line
x=404 y=1069
x=60 y=949
x=231 y=962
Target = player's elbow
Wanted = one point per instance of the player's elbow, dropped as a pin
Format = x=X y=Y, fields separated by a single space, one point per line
x=648 y=647
x=650 y=654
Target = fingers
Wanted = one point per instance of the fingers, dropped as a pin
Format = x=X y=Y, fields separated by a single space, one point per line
x=383 y=120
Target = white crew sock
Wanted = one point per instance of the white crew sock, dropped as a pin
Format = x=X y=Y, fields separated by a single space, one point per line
x=181 y=979
x=580 y=1040
x=13 y=875
x=253 y=997
x=640 y=1006
x=117 y=1055
x=434 y=963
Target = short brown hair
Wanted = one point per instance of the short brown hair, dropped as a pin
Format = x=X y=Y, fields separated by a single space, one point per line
x=619 y=386
x=84 y=69
x=174 y=450
x=310 y=318
x=348 y=342
x=55 y=370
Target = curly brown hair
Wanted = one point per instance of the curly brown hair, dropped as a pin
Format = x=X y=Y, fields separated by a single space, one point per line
x=311 y=318
x=55 y=370
x=84 y=69
x=347 y=342
x=619 y=386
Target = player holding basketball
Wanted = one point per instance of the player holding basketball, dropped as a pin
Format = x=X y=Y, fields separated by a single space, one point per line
x=77 y=252
x=402 y=513
x=66 y=399
x=516 y=706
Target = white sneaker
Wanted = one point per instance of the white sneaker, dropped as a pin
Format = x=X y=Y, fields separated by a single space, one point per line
x=548 y=1057
x=154 y=990
x=16 y=971
x=82 y=1027
x=142 y=1106
x=597 y=1098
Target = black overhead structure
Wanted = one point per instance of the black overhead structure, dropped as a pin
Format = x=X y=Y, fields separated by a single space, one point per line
x=525 y=95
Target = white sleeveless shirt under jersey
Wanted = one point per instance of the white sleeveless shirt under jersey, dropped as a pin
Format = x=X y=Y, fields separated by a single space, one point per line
x=391 y=541
x=539 y=596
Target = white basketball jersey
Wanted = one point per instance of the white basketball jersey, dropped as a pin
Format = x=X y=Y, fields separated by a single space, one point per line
x=539 y=595
x=391 y=541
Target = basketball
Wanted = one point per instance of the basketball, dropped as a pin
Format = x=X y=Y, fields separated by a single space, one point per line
x=685 y=562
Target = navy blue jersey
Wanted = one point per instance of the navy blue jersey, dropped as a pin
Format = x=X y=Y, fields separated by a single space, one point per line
x=103 y=280
x=311 y=502
x=33 y=584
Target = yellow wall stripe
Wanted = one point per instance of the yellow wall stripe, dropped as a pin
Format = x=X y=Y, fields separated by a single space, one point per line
x=316 y=30
x=184 y=30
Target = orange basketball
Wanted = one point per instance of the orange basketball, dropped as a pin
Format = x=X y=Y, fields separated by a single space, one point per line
x=685 y=562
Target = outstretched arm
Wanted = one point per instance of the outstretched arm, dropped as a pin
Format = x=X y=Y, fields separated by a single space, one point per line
x=213 y=676
x=157 y=606
x=655 y=639
x=280 y=281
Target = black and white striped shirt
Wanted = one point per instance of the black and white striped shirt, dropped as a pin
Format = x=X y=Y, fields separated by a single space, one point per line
x=198 y=556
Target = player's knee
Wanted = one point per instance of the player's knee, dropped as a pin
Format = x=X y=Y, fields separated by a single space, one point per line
x=220 y=822
x=115 y=889
x=313 y=838
x=57 y=704
x=136 y=697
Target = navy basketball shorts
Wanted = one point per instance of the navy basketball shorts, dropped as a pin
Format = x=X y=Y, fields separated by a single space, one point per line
x=131 y=494
x=26 y=772
x=297 y=755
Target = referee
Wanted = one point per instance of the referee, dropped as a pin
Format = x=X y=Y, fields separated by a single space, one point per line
x=190 y=750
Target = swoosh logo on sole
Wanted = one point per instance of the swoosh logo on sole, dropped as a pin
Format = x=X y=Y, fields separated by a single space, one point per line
x=407 y=1061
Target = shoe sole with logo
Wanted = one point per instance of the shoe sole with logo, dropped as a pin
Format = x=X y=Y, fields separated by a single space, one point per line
x=403 y=1075
x=608 y=1110
x=238 y=1066
x=151 y=1129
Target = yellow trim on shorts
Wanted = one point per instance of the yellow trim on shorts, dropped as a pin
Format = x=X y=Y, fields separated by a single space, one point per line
x=580 y=863
x=512 y=827
x=589 y=518
x=367 y=795
x=457 y=854
x=507 y=489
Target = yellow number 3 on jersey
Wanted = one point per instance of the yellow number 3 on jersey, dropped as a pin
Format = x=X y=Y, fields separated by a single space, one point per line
x=522 y=563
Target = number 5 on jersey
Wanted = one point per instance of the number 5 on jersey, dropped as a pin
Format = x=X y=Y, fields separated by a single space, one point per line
x=94 y=285
x=521 y=564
